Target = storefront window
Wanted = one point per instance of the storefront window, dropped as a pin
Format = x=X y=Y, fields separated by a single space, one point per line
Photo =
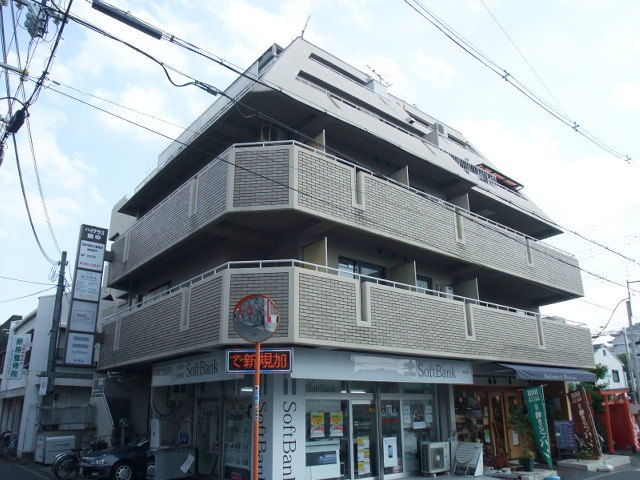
x=391 y=431
x=327 y=448
x=207 y=432
x=388 y=387
x=418 y=426
x=364 y=439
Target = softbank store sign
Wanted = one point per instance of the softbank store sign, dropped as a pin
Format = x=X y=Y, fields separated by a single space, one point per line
x=323 y=364
x=344 y=365
x=209 y=367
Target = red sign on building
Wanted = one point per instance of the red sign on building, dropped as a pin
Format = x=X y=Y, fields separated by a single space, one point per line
x=271 y=360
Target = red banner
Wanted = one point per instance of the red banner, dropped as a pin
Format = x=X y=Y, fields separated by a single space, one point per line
x=583 y=421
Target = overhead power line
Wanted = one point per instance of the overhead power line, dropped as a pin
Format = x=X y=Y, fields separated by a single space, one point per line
x=26 y=296
x=285 y=185
x=13 y=279
x=503 y=73
x=15 y=145
x=194 y=82
x=128 y=18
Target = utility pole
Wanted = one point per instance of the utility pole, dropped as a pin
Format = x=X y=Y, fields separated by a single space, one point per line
x=55 y=324
x=632 y=339
x=631 y=376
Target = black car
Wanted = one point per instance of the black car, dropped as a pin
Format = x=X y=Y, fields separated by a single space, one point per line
x=116 y=463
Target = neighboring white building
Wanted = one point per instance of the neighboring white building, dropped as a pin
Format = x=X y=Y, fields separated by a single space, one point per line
x=22 y=409
x=616 y=377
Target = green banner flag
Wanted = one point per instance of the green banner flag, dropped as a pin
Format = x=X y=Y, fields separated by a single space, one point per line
x=534 y=399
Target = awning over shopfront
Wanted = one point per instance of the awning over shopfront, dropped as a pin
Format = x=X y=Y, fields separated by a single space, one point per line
x=530 y=372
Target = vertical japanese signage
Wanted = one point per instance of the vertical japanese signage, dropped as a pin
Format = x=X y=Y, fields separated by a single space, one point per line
x=16 y=352
x=85 y=295
x=534 y=399
x=583 y=421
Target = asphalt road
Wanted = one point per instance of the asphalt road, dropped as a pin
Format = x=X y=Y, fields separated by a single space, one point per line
x=10 y=470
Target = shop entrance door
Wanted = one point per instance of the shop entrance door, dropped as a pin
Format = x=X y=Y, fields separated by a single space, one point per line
x=365 y=458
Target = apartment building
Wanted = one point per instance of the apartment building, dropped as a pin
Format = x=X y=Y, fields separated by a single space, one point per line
x=408 y=270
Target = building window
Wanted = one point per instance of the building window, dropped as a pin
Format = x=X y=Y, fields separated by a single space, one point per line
x=348 y=267
x=424 y=282
x=615 y=375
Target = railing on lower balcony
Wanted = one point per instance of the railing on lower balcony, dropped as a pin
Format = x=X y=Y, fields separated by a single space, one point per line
x=323 y=306
x=289 y=262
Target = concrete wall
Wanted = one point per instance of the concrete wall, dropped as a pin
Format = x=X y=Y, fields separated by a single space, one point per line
x=324 y=309
x=327 y=189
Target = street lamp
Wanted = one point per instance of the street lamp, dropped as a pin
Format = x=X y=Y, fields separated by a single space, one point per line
x=632 y=339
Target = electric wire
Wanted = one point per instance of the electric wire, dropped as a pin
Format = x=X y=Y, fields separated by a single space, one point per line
x=270 y=179
x=599 y=334
x=195 y=82
x=524 y=58
x=456 y=38
x=15 y=148
x=229 y=65
x=14 y=279
x=26 y=296
x=28 y=125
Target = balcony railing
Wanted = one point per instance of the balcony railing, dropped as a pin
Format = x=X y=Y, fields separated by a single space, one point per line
x=290 y=262
x=197 y=203
x=322 y=306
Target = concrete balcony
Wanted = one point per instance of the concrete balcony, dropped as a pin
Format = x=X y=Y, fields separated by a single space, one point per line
x=320 y=307
x=288 y=176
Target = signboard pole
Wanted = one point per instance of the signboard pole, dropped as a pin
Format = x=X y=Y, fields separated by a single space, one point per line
x=55 y=326
x=256 y=413
x=85 y=296
x=255 y=318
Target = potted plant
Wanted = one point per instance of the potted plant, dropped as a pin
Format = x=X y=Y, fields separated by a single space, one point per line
x=527 y=460
x=520 y=423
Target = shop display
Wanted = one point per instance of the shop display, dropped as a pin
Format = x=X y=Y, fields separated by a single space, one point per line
x=364 y=455
x=336 y=424
x=316 y=421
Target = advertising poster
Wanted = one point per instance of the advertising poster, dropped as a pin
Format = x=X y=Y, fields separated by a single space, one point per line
x=534 y=399
x=87 y=285
x=336 y=424
x=83 y=316
x=390 y=449
x=583 y=422
x=91 y=255
x=79 y=349
x=364 y=455
x=317 y=424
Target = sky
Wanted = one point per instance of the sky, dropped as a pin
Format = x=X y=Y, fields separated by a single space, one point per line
x=587 y=52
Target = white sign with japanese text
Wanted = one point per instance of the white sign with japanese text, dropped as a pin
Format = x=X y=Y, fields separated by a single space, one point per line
x=83 y=316
x=79 y=349
x=16 y=352
x=87 y=285
x=91 y=255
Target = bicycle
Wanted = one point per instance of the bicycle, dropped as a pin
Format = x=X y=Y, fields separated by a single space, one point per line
x=66 y=465
x=9 y=443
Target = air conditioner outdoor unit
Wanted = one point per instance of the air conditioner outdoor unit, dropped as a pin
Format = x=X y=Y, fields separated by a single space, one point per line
x=434 y=457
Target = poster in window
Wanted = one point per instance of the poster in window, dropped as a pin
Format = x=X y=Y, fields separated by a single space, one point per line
x=390 y=451
x=336 y=424
x=364 y=455
x=316 y=419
